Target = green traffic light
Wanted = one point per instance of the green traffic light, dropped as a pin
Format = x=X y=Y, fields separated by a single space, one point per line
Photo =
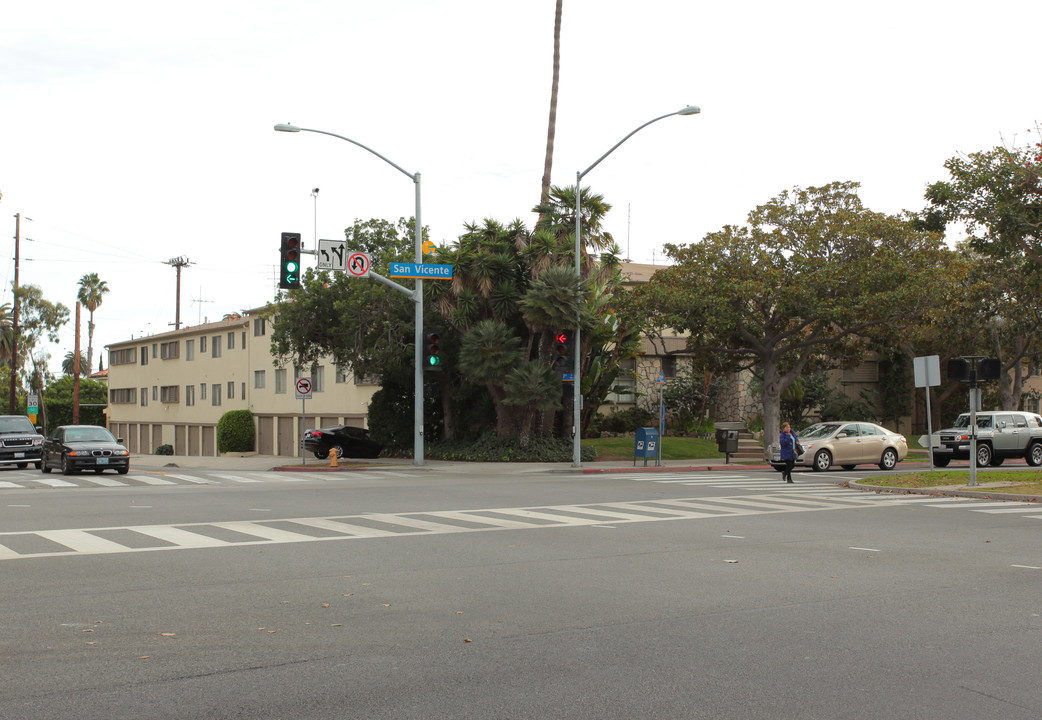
x=434 y=360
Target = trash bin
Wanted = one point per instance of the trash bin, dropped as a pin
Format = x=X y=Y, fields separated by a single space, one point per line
x=645 y=444
x=727 y=441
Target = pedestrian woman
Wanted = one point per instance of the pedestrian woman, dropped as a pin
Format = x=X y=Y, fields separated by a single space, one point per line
x=787 y=441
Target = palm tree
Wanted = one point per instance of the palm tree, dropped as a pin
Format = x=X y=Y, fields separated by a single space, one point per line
x=544 y=194
x=6 y=334
x=92 y=291
x=69 y=367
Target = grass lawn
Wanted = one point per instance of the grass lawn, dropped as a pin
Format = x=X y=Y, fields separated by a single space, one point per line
x=1016 y=482
x=673 y=448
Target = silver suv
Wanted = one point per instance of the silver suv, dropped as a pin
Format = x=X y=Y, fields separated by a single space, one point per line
x=1000 y=435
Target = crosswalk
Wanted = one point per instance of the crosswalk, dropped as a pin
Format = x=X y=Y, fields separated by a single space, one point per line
x=185 y=536
x=366 y=526
x=27 y=479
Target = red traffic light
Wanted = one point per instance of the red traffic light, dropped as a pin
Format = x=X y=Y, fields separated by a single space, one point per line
x=561 y=338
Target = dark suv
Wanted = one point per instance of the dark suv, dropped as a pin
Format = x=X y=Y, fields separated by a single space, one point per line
x=20 y=442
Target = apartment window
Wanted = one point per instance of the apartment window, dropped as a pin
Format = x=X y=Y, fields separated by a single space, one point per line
x=155 y=349
x=170 y=350
x=170 y=394
x=231 y=389
x=625 y=388
x=215 y=346
x=215 y=394
x=202 y=391
x=155 y=393
x=340 y=375
x=231 y=340
x=669 y=366
x=144 y=397
x=189 y=350
x=318 y=379
x=243 y=339
x=123 y=396
x=189 y=394
x=258 y=327
x=202 y=345
x=243 y=389
x=127 y=356
x=144 y=356
x=280 y=381
x=258 y=379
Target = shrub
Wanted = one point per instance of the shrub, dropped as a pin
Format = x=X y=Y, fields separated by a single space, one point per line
x=628 y=420
x=235 y=432
x=164 y=450
x=489 y=448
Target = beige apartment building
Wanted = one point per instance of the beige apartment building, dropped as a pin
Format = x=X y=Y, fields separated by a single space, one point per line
x=173 y=388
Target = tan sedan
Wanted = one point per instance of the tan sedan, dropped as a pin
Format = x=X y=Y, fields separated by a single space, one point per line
x=851 y=443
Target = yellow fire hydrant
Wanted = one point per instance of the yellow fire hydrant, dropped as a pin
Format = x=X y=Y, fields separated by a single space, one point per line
x=332 y=457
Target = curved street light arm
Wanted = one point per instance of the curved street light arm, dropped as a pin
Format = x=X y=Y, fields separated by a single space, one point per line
x=292 y=128
x=689 y=110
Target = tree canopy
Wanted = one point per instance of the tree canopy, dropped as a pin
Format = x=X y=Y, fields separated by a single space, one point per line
x=811 y=273
x=997 y=194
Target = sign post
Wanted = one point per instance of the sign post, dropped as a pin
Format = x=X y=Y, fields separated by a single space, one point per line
x=303 y=393
x=927 y=375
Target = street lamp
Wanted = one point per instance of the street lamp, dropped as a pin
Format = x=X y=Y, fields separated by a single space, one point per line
x=577 y=390
x=417 y=294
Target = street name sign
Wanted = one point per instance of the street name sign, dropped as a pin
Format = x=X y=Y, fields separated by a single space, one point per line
x=420 y=270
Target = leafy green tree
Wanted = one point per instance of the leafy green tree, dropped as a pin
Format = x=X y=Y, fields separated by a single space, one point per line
x=57 y=402
x=91 y=293
x=811 y=273
x=364 y=325
x=997 y=194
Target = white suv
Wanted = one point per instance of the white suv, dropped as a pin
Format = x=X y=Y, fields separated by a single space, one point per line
x=1000 y=435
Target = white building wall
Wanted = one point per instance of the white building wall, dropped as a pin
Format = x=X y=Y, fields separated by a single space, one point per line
x=180 y=376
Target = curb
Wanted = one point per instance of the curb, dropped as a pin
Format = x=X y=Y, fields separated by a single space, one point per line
x=981 y=494
x=663 y=468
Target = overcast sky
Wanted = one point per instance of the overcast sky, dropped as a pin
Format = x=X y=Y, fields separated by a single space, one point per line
x=133 y=133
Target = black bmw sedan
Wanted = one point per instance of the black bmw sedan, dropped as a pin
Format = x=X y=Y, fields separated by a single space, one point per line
x=84 y=447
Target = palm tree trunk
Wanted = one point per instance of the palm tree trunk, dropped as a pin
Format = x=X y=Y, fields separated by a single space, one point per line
x=90 y=345
x=544 y=195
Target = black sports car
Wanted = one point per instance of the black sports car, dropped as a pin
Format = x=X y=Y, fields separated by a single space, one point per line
x=352 y=442
x=84 y=447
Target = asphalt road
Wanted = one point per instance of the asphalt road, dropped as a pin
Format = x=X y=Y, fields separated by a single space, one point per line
x=411 y=593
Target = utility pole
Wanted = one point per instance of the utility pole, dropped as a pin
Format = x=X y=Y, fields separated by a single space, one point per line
x=14 y=316
x=76 y=371
x=177 y=262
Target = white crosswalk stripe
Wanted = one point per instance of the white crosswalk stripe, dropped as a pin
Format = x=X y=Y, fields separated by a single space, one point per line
x=104 y=481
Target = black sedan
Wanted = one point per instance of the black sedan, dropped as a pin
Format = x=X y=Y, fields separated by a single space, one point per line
x=84 y=447
x=352 y=442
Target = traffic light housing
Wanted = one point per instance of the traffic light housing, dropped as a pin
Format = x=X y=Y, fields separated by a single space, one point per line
x=431 y=350
x=289 y=261
x=564 y=351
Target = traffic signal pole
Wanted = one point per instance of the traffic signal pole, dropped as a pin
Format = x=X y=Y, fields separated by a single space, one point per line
x=416 y=295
